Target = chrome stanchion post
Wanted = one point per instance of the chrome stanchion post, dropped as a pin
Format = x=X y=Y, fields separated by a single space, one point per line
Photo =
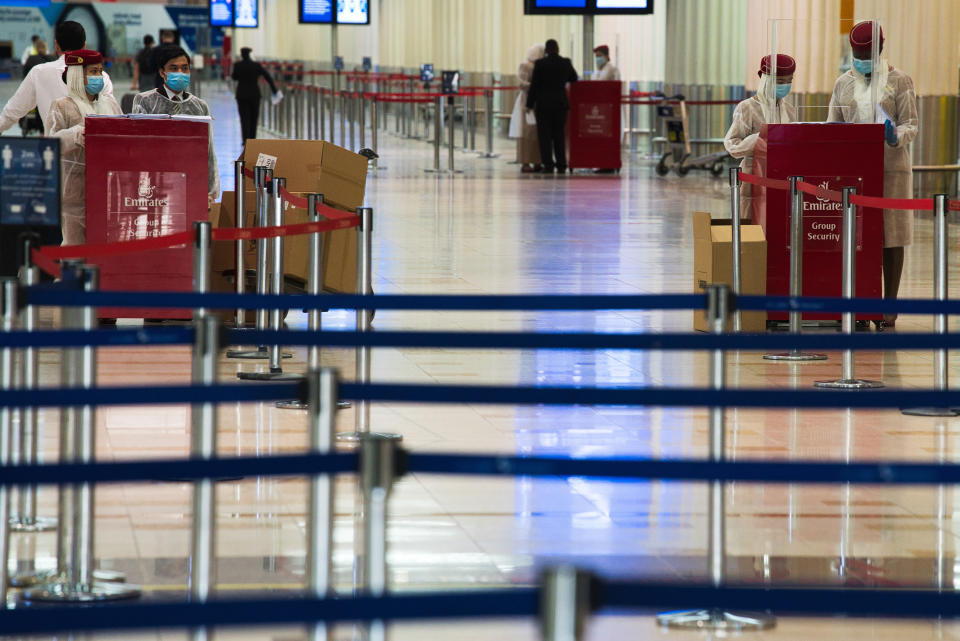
x=274 y=353
x=451 y=134
x=362 y=125
x=735 y=245
x=323 y=113
x=378 y=468
x=374 y=133
x=796 y=276
x=201 y=263
x=364 y=320
x=437 y=134
x=26 y=519
x=564 y=603
x=464 y=128
x=203 y=445
x=848 y=379
x=941 y=271
x=76 y=581
x=322 y=400
x=314 y=288
x=343 y=119
x=8 y=323
x=490 y=125
x=718 y=303
x=471 y=104
x=240 y=286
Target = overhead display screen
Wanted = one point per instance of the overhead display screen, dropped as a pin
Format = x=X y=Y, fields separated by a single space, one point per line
x=245 y=15
x=587 y=7
x=316 y=11
x=221 y=13
x=353 y=12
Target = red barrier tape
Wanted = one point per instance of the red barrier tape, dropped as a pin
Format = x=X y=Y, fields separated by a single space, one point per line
x=764 y=182
x=299 y=229
x=48 y=265
x=677 y=102
x=116 y=249
x=301 y=203
x=920 y=204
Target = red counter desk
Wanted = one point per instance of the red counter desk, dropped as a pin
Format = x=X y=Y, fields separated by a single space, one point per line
x=593 y=125
x=145 y=178
x=831 y=156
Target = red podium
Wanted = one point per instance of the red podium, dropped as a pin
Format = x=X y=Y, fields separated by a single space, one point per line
x=145 y=178
x=593 y=125
x=831 y=156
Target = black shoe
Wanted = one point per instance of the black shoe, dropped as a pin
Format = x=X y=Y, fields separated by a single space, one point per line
x=546 y=170
x=561 y=170
x=862 y=326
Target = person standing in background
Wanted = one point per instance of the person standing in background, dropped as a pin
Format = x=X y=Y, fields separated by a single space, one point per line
x=247 y=73
x=547 y=97
x=528 y=145
x=31 y=50
x=167 y=39
x=143 y=72
x=40 y=57
x=605 y=69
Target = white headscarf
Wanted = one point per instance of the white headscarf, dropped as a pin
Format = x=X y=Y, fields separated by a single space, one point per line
x=774 y=110
x=77 y=88
x=536 y=52
x=863 y=90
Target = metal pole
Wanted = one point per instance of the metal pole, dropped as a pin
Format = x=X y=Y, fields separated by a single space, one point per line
x=451 y=132
x=353 y=120
x=464 y=126
x=26 y=519
x=735 y=241
x=323 y=113
x=941 y=273
x=203 y=445
x=343 y=119
x=240 y=202
x=201 y=263
x=277 y=186
x=796 y=275
x=362 y=105
x=8 y=323
x=564 y=603
x=297 y=111
x=848 y=378
x=378 y=456
x=437 y=134
x=472 y=102
x=322 y=401
x=374 y=133
x=490 y=124
x=333 y=116
x=76 y=581
x=718 y=302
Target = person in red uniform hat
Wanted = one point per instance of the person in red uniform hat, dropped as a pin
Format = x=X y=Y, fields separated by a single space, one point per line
x=85 y=82
x=873 y=91
x=605 y=68
x=766 y=106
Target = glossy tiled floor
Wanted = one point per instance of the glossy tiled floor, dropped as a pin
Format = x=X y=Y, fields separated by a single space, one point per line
x=492 y=230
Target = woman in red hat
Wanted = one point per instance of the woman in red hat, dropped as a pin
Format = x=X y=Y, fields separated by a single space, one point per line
x=766 y=106
x=84 y=78
x=872 y=91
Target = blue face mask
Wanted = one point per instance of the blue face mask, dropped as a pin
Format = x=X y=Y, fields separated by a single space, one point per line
x=178 y=81
x=863 y=66
x=782 y=91
x=600 y=62
x=94 y=85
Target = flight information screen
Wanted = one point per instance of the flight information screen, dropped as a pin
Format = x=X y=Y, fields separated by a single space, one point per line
x=221 y=13
x=353 y=12
x=246 y=14
x=316 y=11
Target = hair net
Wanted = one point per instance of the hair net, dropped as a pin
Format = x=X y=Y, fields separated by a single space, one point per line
x=774 y=111
x=77 y=88
x=535 y=53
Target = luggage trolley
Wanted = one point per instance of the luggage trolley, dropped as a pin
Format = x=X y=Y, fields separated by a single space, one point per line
x=678 y=153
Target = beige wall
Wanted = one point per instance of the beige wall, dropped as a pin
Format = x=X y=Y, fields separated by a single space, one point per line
x=704 y=41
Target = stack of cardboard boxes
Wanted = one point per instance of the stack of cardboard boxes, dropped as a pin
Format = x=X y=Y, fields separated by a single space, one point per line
x=309 y=167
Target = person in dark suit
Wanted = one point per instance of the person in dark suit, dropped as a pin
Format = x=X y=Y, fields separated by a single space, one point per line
x=547 y=96
x=247 y=73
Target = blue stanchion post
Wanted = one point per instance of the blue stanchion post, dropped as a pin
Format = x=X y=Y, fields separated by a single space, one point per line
x=718 y=303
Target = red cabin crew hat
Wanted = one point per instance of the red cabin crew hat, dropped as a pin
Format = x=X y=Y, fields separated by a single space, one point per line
x=604 y=49
x=785 y=65
x=861 y=37
x=82 y=57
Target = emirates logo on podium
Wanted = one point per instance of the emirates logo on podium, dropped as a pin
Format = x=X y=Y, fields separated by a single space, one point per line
x=825 y=185
x=146 y=191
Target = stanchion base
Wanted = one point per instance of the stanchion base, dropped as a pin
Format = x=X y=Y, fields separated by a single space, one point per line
x=486 y=155
x=254 y=354
x=930 y=411
x=795 y=358
x=356 y=437
x=95 y=593
x=269 y=376
x=852 y=383
x=40 y=524
x=47 y=578
x=716 y=620
x=299 y=405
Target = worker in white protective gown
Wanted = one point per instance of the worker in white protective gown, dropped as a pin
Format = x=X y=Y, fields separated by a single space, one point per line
x=873 y=91
x=767 y=106
x=173 y=99
x=85 y=97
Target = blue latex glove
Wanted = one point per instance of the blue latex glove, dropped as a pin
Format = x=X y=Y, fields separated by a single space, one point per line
x=890 y=133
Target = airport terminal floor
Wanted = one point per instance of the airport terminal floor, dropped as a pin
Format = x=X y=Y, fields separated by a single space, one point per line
x=495 y=230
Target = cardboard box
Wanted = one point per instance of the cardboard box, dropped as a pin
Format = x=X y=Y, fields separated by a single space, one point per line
x=309 y=166
x=712 y=264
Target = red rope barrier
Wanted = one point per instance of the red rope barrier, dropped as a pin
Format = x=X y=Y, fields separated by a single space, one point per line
x=764 y=182
x=298 y=229
x=46 y=264
x=118 y=248
x=819 y=192
x=920 y=204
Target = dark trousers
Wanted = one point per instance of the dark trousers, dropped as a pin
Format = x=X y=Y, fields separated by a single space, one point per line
x=249 y=109
x=550 y=131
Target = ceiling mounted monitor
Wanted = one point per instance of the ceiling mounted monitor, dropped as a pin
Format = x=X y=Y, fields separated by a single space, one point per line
x=587 y=7
x=316 y=11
